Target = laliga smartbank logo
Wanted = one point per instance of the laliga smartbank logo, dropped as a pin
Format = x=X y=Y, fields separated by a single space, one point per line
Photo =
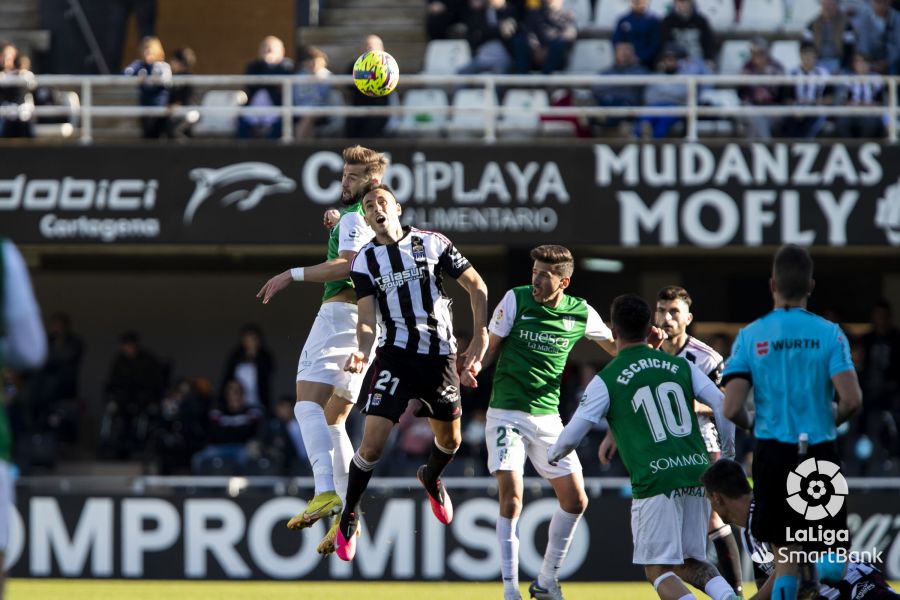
x=816 y=489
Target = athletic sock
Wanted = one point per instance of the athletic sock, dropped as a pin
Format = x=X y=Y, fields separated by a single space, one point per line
x=437 y=462
x=317 y=441
x=357 y=481
x=559 y=538
x=343 y=454
x=729 y=557
x=719 y=589
x=508 y=537
x=688 y=597
x=785 y=588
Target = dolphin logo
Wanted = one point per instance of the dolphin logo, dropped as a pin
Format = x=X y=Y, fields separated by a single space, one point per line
x=269 y=180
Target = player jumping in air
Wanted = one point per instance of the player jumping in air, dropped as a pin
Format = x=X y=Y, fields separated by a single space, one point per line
x=398 y=277
x=647 y=397
x=532 y=332
x=325 y=392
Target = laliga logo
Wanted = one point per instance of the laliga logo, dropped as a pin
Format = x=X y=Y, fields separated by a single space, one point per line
x=817 y=472
x=762 y=556
x=269 y=180
x=887 y=214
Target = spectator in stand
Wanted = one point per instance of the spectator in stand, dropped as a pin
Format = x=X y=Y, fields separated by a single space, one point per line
x=546 y=39
x=833 y=37
x=271 y=61
x=314 y=62
x=862 y=93
x=366 y=127
x=284 y=442
x=155 y=80
x=643 y=30
x=761 y=63
x=182 y=94
x=689 y=29
x=251 y=364
x=441 y=15
x=490 y=28
x=181 y=431
x=234 y=430
x=664 y=94
x=16 y=101
x=55 y=387
x=879 y=37
x=625 y=63
x=880 y=367
x=134 y=389
x=810 y=90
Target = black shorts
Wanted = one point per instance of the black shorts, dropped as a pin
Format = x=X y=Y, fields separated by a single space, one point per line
x=395 y=377
x=773 y=462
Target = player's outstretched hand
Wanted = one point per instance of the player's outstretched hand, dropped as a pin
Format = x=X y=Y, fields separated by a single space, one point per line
x=273 y=286
x=356 y=362
x=475 y=352
x=656 y=337
x=607 y=449
x=331 y=218
x=467 y=377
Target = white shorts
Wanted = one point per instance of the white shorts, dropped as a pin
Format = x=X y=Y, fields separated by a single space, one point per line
x=513 y=434
x=667 y=530
x=7 y=499
x=330 y=341
x=709 y=433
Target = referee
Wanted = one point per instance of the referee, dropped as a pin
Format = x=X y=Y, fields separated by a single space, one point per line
x=796 y=362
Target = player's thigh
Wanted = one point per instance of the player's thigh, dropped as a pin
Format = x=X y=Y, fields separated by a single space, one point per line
x=435 y=382
x=543 y=433
x=331 y=340
x=695 y=515
x=338 y=409
x=569 y=489
x=387 y=384
x=505 y=445
x=656 y=524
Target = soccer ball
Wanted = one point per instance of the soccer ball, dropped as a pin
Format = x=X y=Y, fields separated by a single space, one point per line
x=376 y=73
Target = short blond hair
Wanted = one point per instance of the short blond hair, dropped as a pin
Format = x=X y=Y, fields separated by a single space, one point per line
x=155 y=46
x=376 y=163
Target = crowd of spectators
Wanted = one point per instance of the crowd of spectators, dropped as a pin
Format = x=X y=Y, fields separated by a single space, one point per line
x=184 y=425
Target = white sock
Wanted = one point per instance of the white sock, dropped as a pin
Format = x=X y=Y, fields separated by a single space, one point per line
x=317 y=440
x=343 y=454
x=562 y=530
x=508 y=536
x=718 y=589
x=688 y=597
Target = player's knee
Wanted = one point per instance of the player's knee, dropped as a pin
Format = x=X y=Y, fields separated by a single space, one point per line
x=510 y=507
x=370 y=453
x=451 y=440
x=576 y=505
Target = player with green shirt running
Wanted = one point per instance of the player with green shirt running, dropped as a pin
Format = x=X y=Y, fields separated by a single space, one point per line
x=647 y=397
x=325 y=392
x=532 y=332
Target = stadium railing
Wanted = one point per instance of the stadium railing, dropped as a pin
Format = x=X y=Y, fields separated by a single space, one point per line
x=692 y=112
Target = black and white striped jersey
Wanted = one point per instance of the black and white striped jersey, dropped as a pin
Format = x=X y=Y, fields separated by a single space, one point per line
x=702 y=355
x=405 y=278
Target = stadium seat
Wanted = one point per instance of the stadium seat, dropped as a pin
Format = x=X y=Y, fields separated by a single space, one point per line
x=445 y=57
x=720 y=13
x=425 y=121
x=786 y=52
x=590 y=56
x=464 y=120
x=220 y=123
x=522 y=123
x=582 y=11
x=761 y=15
x=608 y=12
x=801 y=13
x=733 y=56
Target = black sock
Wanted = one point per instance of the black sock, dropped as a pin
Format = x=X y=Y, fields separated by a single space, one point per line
x=729 y=559
x=437 y=462
x=360 y=474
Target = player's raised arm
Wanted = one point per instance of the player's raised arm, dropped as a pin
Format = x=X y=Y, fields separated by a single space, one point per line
x=472 y=282
x=330 y=270
x=365 y=335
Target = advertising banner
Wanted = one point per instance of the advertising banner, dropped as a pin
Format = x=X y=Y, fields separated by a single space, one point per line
x=189 y=536
x=670 y=194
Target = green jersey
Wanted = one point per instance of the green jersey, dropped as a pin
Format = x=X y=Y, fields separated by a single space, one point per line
x=648 y=398
x=350 y=233
x=537 y=343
